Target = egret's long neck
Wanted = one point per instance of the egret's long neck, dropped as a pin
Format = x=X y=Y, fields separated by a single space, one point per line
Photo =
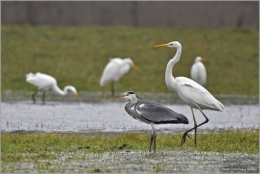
x=59 y=91
x=169 y=79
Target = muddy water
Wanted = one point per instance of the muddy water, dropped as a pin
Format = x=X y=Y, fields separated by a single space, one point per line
x=111 y=117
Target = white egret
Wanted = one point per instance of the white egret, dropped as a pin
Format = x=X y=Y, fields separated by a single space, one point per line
x=189 y=91
x=151 y=113
x=198 y=71
x=114 y=70
x=45 y=82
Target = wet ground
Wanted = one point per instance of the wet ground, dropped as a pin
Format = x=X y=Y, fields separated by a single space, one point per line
x=111 y=117
x=108 y=116
x=141 y=162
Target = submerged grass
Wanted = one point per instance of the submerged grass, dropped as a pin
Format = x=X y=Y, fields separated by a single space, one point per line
x=77 y=55
x=14 y=146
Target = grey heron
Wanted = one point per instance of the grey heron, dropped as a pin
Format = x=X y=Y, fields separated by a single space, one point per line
x=151 y=113
x=192 y=93
x=45 y=82
x=198 y=71
x=114 y=70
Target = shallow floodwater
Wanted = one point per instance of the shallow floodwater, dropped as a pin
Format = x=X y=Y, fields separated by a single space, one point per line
x=111 y=117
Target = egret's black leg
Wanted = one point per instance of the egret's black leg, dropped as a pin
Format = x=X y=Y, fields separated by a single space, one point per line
x=185 y=134
x=43 y=95
x=195 y=125
x=33 y=96
x=112 y=88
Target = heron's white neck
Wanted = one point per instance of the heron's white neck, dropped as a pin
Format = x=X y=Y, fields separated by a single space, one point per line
x=169 y=78
x=59 y=91
x=133 y=99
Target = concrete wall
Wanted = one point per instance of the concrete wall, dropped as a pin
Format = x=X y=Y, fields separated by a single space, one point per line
x=193 y=14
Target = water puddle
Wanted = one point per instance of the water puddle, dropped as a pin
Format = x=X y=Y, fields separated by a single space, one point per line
x=111 y=117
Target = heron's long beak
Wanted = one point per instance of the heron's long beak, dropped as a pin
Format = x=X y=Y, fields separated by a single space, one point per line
x=203 y=59
x=78 y=97
x=118 y=96
x=161 y=45
x=135 y=67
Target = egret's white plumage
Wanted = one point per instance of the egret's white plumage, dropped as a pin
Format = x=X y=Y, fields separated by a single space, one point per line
x=198 y=72
x=115 y=69
x=46 y=82
x=192 y=93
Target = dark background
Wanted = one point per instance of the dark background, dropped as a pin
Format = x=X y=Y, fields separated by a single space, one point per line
x=201 y=14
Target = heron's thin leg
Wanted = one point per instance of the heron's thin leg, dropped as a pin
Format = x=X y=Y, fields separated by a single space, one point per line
x=153 y=139
x=151 y=142
x=33 y=95
x=43 y=95
x=154 y=146
x=185 y=134
x=112 y=88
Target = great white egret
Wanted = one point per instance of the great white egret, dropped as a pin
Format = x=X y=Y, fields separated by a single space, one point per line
x=198 y=71
x=45 y=82
x=151 y=113
x=189 y=91
x=114 y=70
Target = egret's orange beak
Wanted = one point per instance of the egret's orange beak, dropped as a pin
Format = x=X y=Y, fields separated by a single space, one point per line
x=78 y=97
x=161 y=45
x=117 y=96
x=203 y=59
x=135 y=67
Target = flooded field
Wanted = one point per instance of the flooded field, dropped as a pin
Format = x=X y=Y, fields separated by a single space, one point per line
x=111 y=117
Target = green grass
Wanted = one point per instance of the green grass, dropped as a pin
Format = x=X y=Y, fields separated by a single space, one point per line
x=53 y=152
x=229 y=141
x=77 y=56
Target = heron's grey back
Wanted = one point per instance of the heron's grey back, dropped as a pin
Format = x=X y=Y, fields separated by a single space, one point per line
x=152 y=112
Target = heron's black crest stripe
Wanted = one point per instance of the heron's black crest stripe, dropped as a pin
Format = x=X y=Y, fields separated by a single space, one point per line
x=130 y=92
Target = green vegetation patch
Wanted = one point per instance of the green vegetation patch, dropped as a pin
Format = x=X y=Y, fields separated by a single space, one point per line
x=77 y=56
x=228 y=141
x=57 y=152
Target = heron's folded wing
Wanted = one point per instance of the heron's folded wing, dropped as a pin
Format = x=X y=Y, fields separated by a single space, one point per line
x=159 y=114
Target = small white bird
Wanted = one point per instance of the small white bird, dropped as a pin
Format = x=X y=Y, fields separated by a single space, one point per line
x=198 y=71
x=114 y=70
x=192 y=93
x=45 y=82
